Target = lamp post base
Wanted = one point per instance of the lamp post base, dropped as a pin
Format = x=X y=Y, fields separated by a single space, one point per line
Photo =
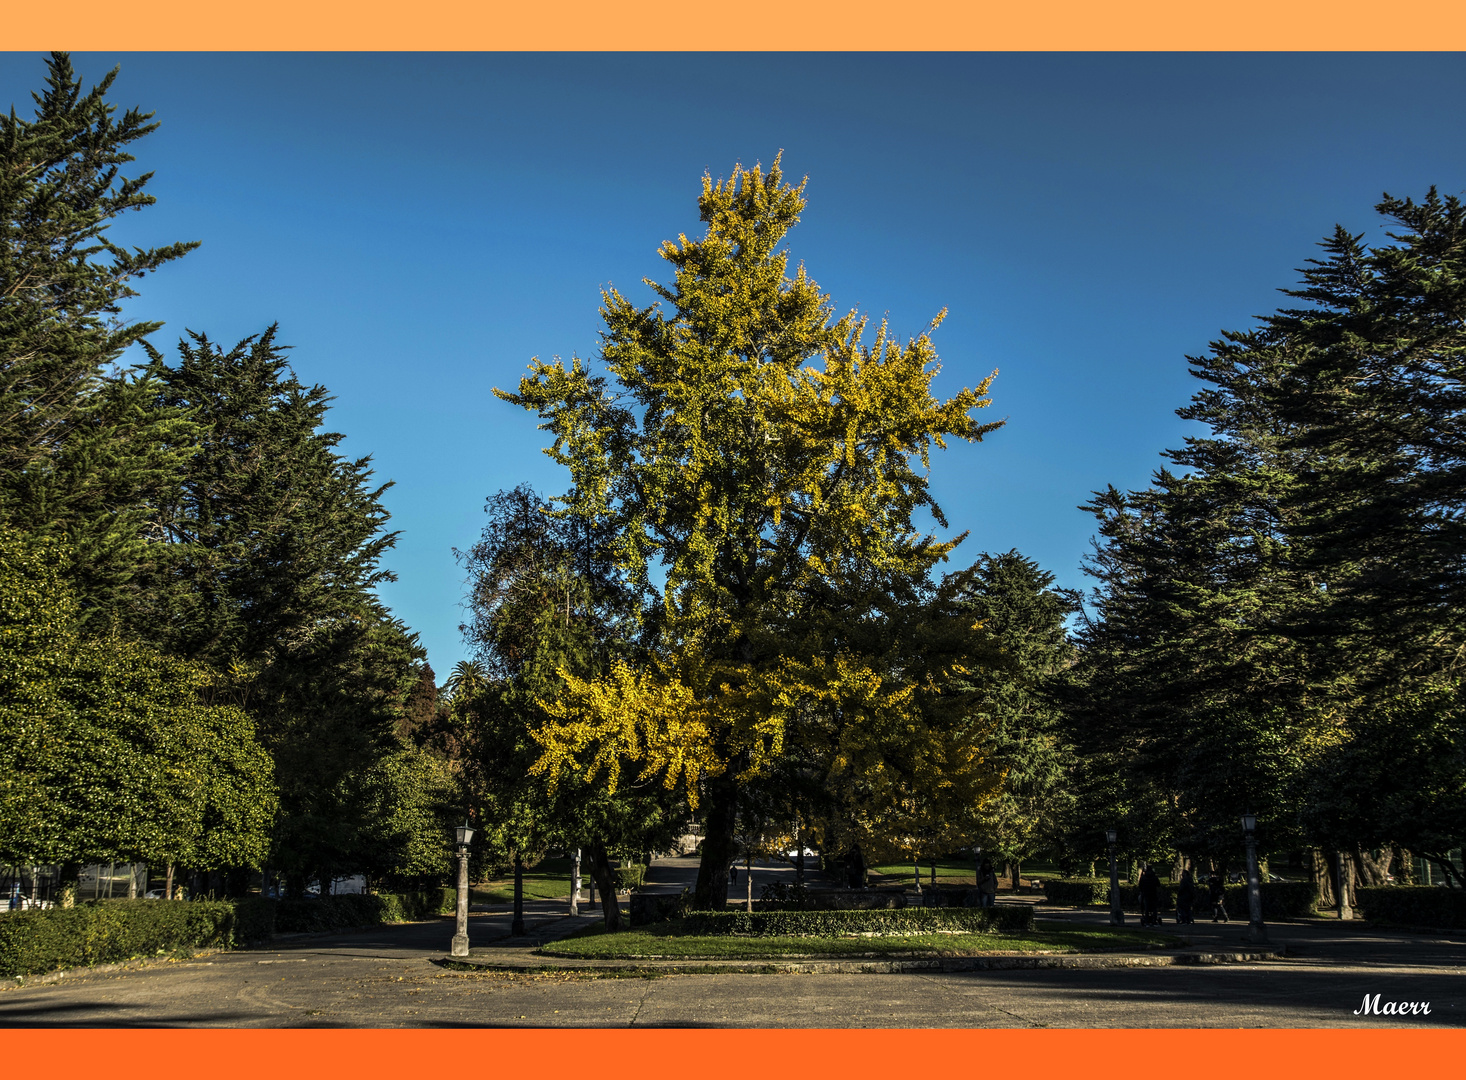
x=460 y=944
x=1256 y=934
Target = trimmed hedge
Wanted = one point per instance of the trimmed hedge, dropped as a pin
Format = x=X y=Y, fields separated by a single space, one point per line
x=629 y=877
x=1414 y=905
x=1280 y=899
x=838 y=923
x=361 y=909
x=110 y=931
x=1078 y=892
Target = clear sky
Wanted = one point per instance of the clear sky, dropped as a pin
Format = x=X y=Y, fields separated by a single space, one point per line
x=421 y=225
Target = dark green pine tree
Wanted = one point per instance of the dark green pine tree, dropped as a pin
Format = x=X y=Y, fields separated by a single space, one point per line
x=1018 y=606
x=273 y=533
x=1377 y=397
x=275 y=553
x=83 y=460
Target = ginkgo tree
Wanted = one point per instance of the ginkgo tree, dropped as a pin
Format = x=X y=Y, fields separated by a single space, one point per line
x=755 y=467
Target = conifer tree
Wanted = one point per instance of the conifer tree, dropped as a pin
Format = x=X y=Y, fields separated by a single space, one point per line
x=83 y=460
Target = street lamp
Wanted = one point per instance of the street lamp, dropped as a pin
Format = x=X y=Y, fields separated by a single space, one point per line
x=464 y=835
x=1117 y=914
x=1256 y=931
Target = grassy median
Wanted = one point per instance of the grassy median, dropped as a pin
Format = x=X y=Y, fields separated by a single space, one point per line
x=666 y=940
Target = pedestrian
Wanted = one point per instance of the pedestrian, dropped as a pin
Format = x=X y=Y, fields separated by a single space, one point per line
x=1150 y=897
x=1185 y=898
x=987 y=884
x=15 y=901
x=733 y=874
x=1217 y=893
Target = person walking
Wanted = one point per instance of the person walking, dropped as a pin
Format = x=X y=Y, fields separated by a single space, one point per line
x=987 y=883
x=1185 y=898
x=1217 y=893
x=1150 y=897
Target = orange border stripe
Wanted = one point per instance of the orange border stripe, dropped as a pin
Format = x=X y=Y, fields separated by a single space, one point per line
x=578 y=25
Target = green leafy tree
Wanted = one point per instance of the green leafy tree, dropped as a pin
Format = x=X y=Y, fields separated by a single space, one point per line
x=111 y=750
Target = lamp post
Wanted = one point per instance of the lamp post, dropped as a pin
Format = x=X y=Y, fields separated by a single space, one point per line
x=1117 y=914
x=1256 y=931
x=464 y=835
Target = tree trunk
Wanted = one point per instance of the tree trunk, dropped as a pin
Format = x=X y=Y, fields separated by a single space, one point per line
x=718 y=849
x=916 y=869
x=575 y=884
x=1369 y=870
x=748 y=874
x=67 y=882
x=1326 y=878
x=168 y=884
x=1017 y=874
x=1402 y=865
x=516 y=928
x=1323 y=877
x=799 y=854
x=600 y=865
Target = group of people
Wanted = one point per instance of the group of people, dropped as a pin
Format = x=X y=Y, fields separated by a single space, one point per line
x=1150 y=897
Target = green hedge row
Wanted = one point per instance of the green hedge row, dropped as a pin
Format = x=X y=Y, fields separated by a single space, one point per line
x=110 y=931
x=1280 y=899
x=629 y=877
x=1414 y=905
x=837 y=923
x=361 y=909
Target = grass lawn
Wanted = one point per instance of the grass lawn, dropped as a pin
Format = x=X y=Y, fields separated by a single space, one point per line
x=664 y=939
x=546 y=880
x=954 y=872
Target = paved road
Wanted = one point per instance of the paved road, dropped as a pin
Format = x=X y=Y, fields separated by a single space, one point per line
x=385 y=978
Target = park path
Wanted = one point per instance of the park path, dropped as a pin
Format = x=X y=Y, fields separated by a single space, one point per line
x=386 y=977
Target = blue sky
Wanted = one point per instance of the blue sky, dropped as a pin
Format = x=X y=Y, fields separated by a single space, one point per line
x=421 y=225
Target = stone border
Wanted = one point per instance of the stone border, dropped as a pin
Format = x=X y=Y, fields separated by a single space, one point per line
x=530 y=964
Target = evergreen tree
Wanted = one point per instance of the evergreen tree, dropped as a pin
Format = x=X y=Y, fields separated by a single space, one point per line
x=275 y=548
x=83 y=460
x=1017 y=605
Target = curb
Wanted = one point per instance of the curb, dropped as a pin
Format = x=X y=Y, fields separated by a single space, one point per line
x=654 y=965
x=17 y=982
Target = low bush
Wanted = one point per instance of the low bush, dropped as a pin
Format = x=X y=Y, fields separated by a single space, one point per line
x=648 y=908
x=1077 y=892
x=1280 y=899
x=110 y=931
x=629 y=877
x=361 y=909
x=1414 y=905
x=837 y=923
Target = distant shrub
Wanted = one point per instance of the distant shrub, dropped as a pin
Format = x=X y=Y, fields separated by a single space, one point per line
x=838 y=923
x=1280 y=899
x=629 y=877
x=1414 y=905
x=354 y=910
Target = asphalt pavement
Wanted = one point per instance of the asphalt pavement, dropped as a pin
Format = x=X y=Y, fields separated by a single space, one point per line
x=391 y=977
